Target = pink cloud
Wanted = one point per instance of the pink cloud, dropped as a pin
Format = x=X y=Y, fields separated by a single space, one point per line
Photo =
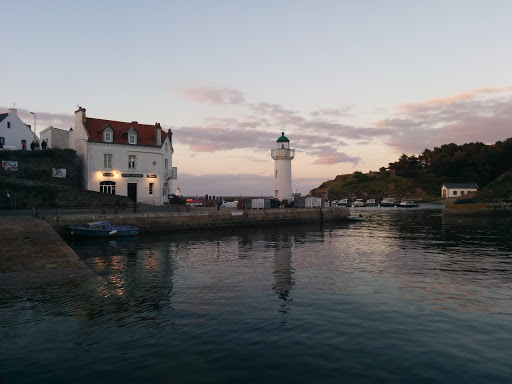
x=461 y=97
x=457 y=119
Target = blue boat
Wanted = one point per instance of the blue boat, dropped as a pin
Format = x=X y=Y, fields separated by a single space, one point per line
x=103 y=229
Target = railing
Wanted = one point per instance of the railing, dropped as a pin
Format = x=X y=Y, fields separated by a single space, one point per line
x=283 y=153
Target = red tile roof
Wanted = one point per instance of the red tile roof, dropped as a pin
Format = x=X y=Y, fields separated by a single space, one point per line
x=146 y=134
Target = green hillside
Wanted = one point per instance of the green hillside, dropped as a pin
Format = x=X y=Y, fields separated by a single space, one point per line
x=421 y=177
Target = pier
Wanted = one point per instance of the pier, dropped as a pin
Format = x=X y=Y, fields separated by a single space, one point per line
x=31 y=250
x=205 y=218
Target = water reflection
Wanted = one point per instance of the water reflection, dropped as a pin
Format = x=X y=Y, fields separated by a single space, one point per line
x=404 y=294
x=283 y=272
x=137 y=277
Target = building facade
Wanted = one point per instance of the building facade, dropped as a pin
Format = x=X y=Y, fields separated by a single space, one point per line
x=124 y=158
x=14 y=133
x=455 y=190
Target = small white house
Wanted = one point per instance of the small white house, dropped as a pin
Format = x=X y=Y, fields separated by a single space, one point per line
x=456 y=190
x=55 y=137
x=14 y=133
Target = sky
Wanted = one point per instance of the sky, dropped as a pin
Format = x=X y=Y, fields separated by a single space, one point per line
x=353 y=84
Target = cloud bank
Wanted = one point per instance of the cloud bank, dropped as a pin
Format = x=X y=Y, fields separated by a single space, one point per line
x=480 y=115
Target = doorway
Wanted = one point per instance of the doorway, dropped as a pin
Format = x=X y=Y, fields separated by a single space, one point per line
x=132 y=191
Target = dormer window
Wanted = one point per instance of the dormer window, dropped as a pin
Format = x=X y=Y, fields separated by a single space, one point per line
x=132 y=136
x=108 y=134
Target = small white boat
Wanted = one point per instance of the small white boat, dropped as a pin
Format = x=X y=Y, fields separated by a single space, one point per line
x=371 y=203
x=343 y=203
x=358 y=203
x=408 y=204
x=388 y=202
x=230 y=204
x=356 y=218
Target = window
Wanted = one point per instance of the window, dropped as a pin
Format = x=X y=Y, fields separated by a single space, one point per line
x=107 y=161
x=276 y=172
x=166 y=147
x=454 y=193
x=461 y=193
x=166 y=163
x=108 y=187
x=23 y=144
x=132 y=138
x=8 y=124
x=107 y=136
x=131 y=161
x=151 y=188
x=2 y=140
x=165 y=189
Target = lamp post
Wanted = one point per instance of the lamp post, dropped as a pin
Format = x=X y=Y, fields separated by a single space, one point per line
x=34 y=126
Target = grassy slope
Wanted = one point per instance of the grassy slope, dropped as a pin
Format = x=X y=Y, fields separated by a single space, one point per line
x=421 y=187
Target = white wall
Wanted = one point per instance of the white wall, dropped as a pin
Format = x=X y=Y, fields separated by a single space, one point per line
x=460 y=192
x=55 y=137
x=145 y=157
x=81 y=137
x=17 y=132
x=283 y=179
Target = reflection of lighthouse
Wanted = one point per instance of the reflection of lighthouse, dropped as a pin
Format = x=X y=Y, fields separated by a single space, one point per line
x=283 y=157
x=283 y=281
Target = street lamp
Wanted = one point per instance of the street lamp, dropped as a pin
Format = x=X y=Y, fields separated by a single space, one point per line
x=34 y=126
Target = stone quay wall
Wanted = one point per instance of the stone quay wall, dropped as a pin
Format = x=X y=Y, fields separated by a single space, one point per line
x=205 y=219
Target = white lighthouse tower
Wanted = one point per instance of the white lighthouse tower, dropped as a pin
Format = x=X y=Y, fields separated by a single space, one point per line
x=283 y=157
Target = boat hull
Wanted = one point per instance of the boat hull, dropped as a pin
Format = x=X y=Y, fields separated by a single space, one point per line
x=356 y=218
x=81 y=232
x=104 y=229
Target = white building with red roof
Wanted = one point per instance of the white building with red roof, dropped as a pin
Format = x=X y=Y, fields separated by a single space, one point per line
x=122 y=158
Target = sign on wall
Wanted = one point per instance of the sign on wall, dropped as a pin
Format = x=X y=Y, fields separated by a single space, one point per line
x=10 y=165
x=59 y=172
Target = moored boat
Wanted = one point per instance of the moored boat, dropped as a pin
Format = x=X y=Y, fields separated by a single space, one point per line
x=371 y=203
x=103 y=229
x=356 y=218
x=388 y=202
x=343 y=203
x=408 y=204
x=358 y=203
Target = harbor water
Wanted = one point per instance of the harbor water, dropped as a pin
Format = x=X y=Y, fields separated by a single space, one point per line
x=409 y=295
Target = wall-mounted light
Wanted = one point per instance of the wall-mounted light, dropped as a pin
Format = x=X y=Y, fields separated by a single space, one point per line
x=151 y=176
x=108 y=174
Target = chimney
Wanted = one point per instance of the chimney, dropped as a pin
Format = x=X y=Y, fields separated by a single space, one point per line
x=80 y=117
x=134 y=122
x=13 y=112
x=158 y=134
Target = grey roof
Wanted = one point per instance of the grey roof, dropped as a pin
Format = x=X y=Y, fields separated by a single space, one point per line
x=3 y=116
x=461 y=185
